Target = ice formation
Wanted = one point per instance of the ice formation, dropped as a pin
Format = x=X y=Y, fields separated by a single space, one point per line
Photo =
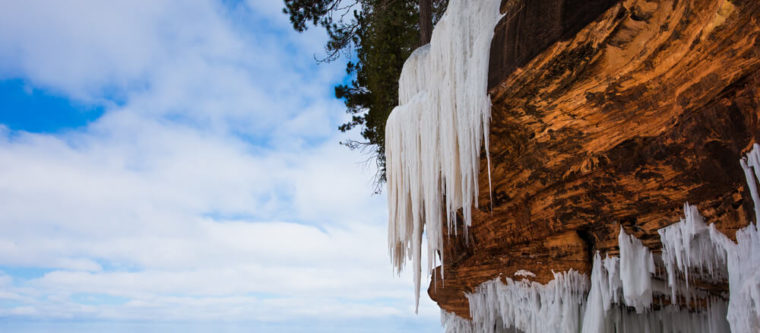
x=749 y=163
x=691 y=247
x=744 y=279
x=617 y=298
x=529 y=306
x=743 y=259
x=636 y=265
x=453 y=323
x=607 y=307
x=688 y=247
x=433 y=138
x=525 y=273
x=605 y=283
x=668 y=319
x=621 y=288
x=433 y=143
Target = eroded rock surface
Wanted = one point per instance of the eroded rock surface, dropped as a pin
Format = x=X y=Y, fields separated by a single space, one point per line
x=617 y=120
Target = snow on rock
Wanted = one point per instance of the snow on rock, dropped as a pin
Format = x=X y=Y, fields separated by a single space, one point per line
x=525 y=273
x=433 y=138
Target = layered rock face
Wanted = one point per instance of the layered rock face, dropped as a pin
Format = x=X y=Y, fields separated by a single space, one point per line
x=608 y=114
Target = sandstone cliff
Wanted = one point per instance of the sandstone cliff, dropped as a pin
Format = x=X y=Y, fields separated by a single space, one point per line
x=607 y=114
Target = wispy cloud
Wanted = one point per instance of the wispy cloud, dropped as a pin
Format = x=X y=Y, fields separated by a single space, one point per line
x=212 y=187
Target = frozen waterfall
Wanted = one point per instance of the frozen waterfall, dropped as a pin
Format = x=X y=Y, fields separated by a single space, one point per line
x=433 y=138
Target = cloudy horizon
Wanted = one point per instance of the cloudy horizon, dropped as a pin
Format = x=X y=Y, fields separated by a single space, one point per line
x=175 y=164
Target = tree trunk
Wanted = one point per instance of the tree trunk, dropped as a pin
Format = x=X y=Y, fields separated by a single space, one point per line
x=426 y=21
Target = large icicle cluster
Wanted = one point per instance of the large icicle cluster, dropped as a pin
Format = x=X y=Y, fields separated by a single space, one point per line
x=629 y=274
x=744 y=259
x=744 y=279
x=619 y=300
x=618 y=283
x=529 y=306
x=688 y=249
x=691 y=247
x=433 y=141
x=621 y=289
x=433 y=138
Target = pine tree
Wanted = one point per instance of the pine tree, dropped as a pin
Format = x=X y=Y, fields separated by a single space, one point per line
x=377 y=36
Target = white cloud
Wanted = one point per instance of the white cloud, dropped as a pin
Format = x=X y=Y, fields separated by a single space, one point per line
x=213 y=186
x=212 y=65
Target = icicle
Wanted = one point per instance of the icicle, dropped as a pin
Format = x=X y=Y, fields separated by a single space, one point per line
x=433 y=138
x=687 y=245
x=433 y=142
x=691 y=245
x=743 y=259
x=744 y=281
x=604 y=313
x=529 y=306
x=752 y=186
x=753 y=160
x=636 y=266
x=452 y=323
x=597 y=304
x=669 y=319
x=561 y=306
x=740 y=260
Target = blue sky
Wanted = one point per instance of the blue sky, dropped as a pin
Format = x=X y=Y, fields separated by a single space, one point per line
x=174 y=165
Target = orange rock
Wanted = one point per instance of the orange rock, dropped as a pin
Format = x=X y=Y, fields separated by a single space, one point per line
x=619 y=122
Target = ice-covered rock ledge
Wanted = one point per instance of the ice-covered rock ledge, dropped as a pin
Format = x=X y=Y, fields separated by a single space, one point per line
x=645 y=106
x=648 y=106
x=622 y=289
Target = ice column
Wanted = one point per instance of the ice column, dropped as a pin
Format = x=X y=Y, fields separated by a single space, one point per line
x=433 y=138
x=636 y=267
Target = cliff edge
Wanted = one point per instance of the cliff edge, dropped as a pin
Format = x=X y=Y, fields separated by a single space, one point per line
x=607 y=114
